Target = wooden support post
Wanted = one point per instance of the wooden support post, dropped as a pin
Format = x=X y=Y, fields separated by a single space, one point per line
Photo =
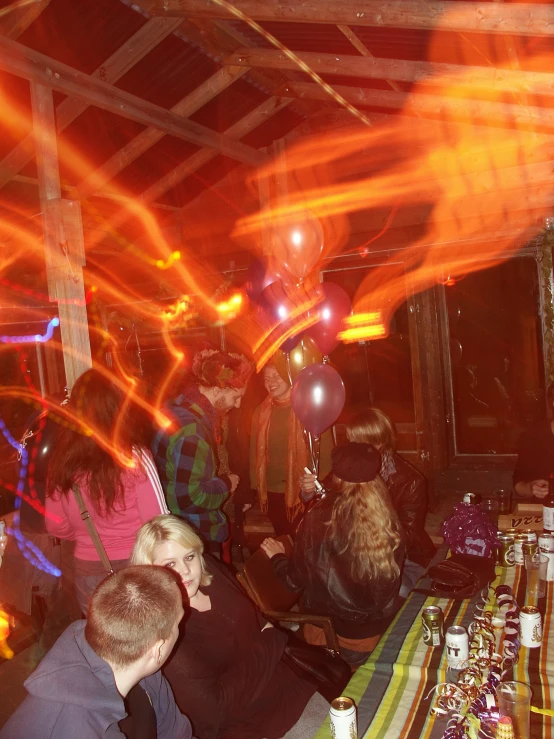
x=428 y=382
x=63 y=240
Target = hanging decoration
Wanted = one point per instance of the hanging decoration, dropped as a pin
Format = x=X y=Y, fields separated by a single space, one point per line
x=297 y=246
x=334 y=307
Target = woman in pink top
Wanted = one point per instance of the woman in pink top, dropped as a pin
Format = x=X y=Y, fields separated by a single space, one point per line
x=118 y=497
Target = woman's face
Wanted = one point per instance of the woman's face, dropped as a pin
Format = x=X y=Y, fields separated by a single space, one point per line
x=274 y=383
x=186 y=563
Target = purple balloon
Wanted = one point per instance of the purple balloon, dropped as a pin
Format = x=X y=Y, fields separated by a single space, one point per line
x=317 y=397
x=332 y=310
x=255 y=278
x=289 y=344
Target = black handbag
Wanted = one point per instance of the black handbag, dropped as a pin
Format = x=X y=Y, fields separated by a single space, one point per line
x=322 y=666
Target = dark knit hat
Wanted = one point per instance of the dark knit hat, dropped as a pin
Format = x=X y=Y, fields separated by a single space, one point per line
x=355 y=462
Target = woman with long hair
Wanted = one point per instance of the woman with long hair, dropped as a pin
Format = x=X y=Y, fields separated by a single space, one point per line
x=348 y=554
x=101 y=456
x=226 y=672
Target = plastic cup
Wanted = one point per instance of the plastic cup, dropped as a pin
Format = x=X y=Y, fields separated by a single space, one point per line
x=491 y=508
x=514 y=700
x=536 y=566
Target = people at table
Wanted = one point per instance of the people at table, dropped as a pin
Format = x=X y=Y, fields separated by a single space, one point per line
x=227 y=671
x=535 y=459
x=348 y=554
x=407 y=489
x=278 y=454
x=102 y=677
x=100 y=455
x=186 y=452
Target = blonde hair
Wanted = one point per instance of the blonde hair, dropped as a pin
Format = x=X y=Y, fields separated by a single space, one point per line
x=372 y=426
x=366 y=526
x=132 y=610
x=167 y=528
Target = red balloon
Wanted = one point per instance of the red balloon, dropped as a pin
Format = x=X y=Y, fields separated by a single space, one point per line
x=317 y=397
x=297 y=245
x=332 y=310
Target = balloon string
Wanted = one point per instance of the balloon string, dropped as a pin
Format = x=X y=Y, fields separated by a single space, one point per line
x=315 y=454
x=289 y=372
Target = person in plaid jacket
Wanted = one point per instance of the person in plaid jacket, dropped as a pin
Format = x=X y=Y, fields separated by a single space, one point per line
x=186 y=452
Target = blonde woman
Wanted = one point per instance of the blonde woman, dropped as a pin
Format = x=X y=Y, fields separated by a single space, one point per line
x=226 y=671
x=348 y=554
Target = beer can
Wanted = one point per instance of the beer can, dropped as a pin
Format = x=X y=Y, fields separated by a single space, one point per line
x=342 y=717
x=457 y=647
x=513 y=532
x=519 y=540
x=505 y=550
x=530 y=534
x=530 y=627
x=432 y=619
x=546 y=542
x=529 y=549
x=471 y=498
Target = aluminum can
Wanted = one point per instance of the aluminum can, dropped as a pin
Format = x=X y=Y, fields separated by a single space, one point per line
x=530 y=534
x=342 y=718
x=471 y=498
x=457 y=647
x=530 y=627
x=432 y=619
x=519 y=540
x=546 y=542
x=529 y=549
x=505 y=550
x=513 y=532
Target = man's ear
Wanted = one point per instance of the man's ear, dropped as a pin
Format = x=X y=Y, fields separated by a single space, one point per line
x=156 y=652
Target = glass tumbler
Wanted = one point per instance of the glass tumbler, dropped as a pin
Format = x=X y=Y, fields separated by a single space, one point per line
x=504 y=498
x=491 y=508
x=514 y=700
x=536 y=566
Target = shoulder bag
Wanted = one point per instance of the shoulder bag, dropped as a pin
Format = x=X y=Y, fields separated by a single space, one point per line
x=321 y=666
x=91 y=528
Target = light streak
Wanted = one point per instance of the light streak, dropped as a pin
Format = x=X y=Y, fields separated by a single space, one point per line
x=33 y=338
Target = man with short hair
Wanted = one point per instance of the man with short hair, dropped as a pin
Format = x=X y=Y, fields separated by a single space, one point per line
x=186 y=453
x=102 y=677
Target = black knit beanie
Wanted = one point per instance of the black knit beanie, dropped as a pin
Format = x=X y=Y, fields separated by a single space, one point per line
x=355 y=462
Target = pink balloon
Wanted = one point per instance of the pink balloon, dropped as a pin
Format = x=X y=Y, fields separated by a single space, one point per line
x=297 y=246
x=332 y=310
x=317 y=397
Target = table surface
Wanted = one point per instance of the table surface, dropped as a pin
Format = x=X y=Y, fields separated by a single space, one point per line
x=391 y=688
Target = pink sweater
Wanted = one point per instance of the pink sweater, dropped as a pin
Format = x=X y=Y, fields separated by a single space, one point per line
x=144 y=499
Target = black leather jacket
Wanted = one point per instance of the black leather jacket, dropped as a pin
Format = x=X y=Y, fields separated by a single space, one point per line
x=408 y=492
x=358 y=609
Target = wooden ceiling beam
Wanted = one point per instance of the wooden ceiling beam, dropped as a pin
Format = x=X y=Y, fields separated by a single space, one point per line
x=498 y=115
x=24 y=62
x=143 y=41
x=468 y=17
x=141 y=143
x=482 y=79
x=15 y=19
x=238 y=130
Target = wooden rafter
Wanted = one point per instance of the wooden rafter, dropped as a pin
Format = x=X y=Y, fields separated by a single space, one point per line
x=512 y=18
x=24 y=62
x=428 y=73
x=143 y=41
x=491 y=114
x=141 y=143
x=15 y=20
x=239 y=129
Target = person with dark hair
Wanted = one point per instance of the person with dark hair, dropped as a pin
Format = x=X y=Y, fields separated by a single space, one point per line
x=278 y=454
x=100 y=456
x=186 y=453
x=535 y=458
x=348 y=554
x=102 y=677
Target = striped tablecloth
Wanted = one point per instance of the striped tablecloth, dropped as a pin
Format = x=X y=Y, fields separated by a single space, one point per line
x=390 y=690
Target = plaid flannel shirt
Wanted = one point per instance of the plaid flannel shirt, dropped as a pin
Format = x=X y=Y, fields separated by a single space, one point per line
x=187 y=463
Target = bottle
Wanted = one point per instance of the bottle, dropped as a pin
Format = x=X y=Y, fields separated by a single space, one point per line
x=548 y=507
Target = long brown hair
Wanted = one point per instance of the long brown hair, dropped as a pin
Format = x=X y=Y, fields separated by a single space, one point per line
x=365 y=525
x=98 y=404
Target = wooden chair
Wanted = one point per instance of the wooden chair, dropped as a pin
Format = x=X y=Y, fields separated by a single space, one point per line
x=273 y=599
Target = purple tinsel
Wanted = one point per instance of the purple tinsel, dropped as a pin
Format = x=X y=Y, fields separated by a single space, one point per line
x=469 y=531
